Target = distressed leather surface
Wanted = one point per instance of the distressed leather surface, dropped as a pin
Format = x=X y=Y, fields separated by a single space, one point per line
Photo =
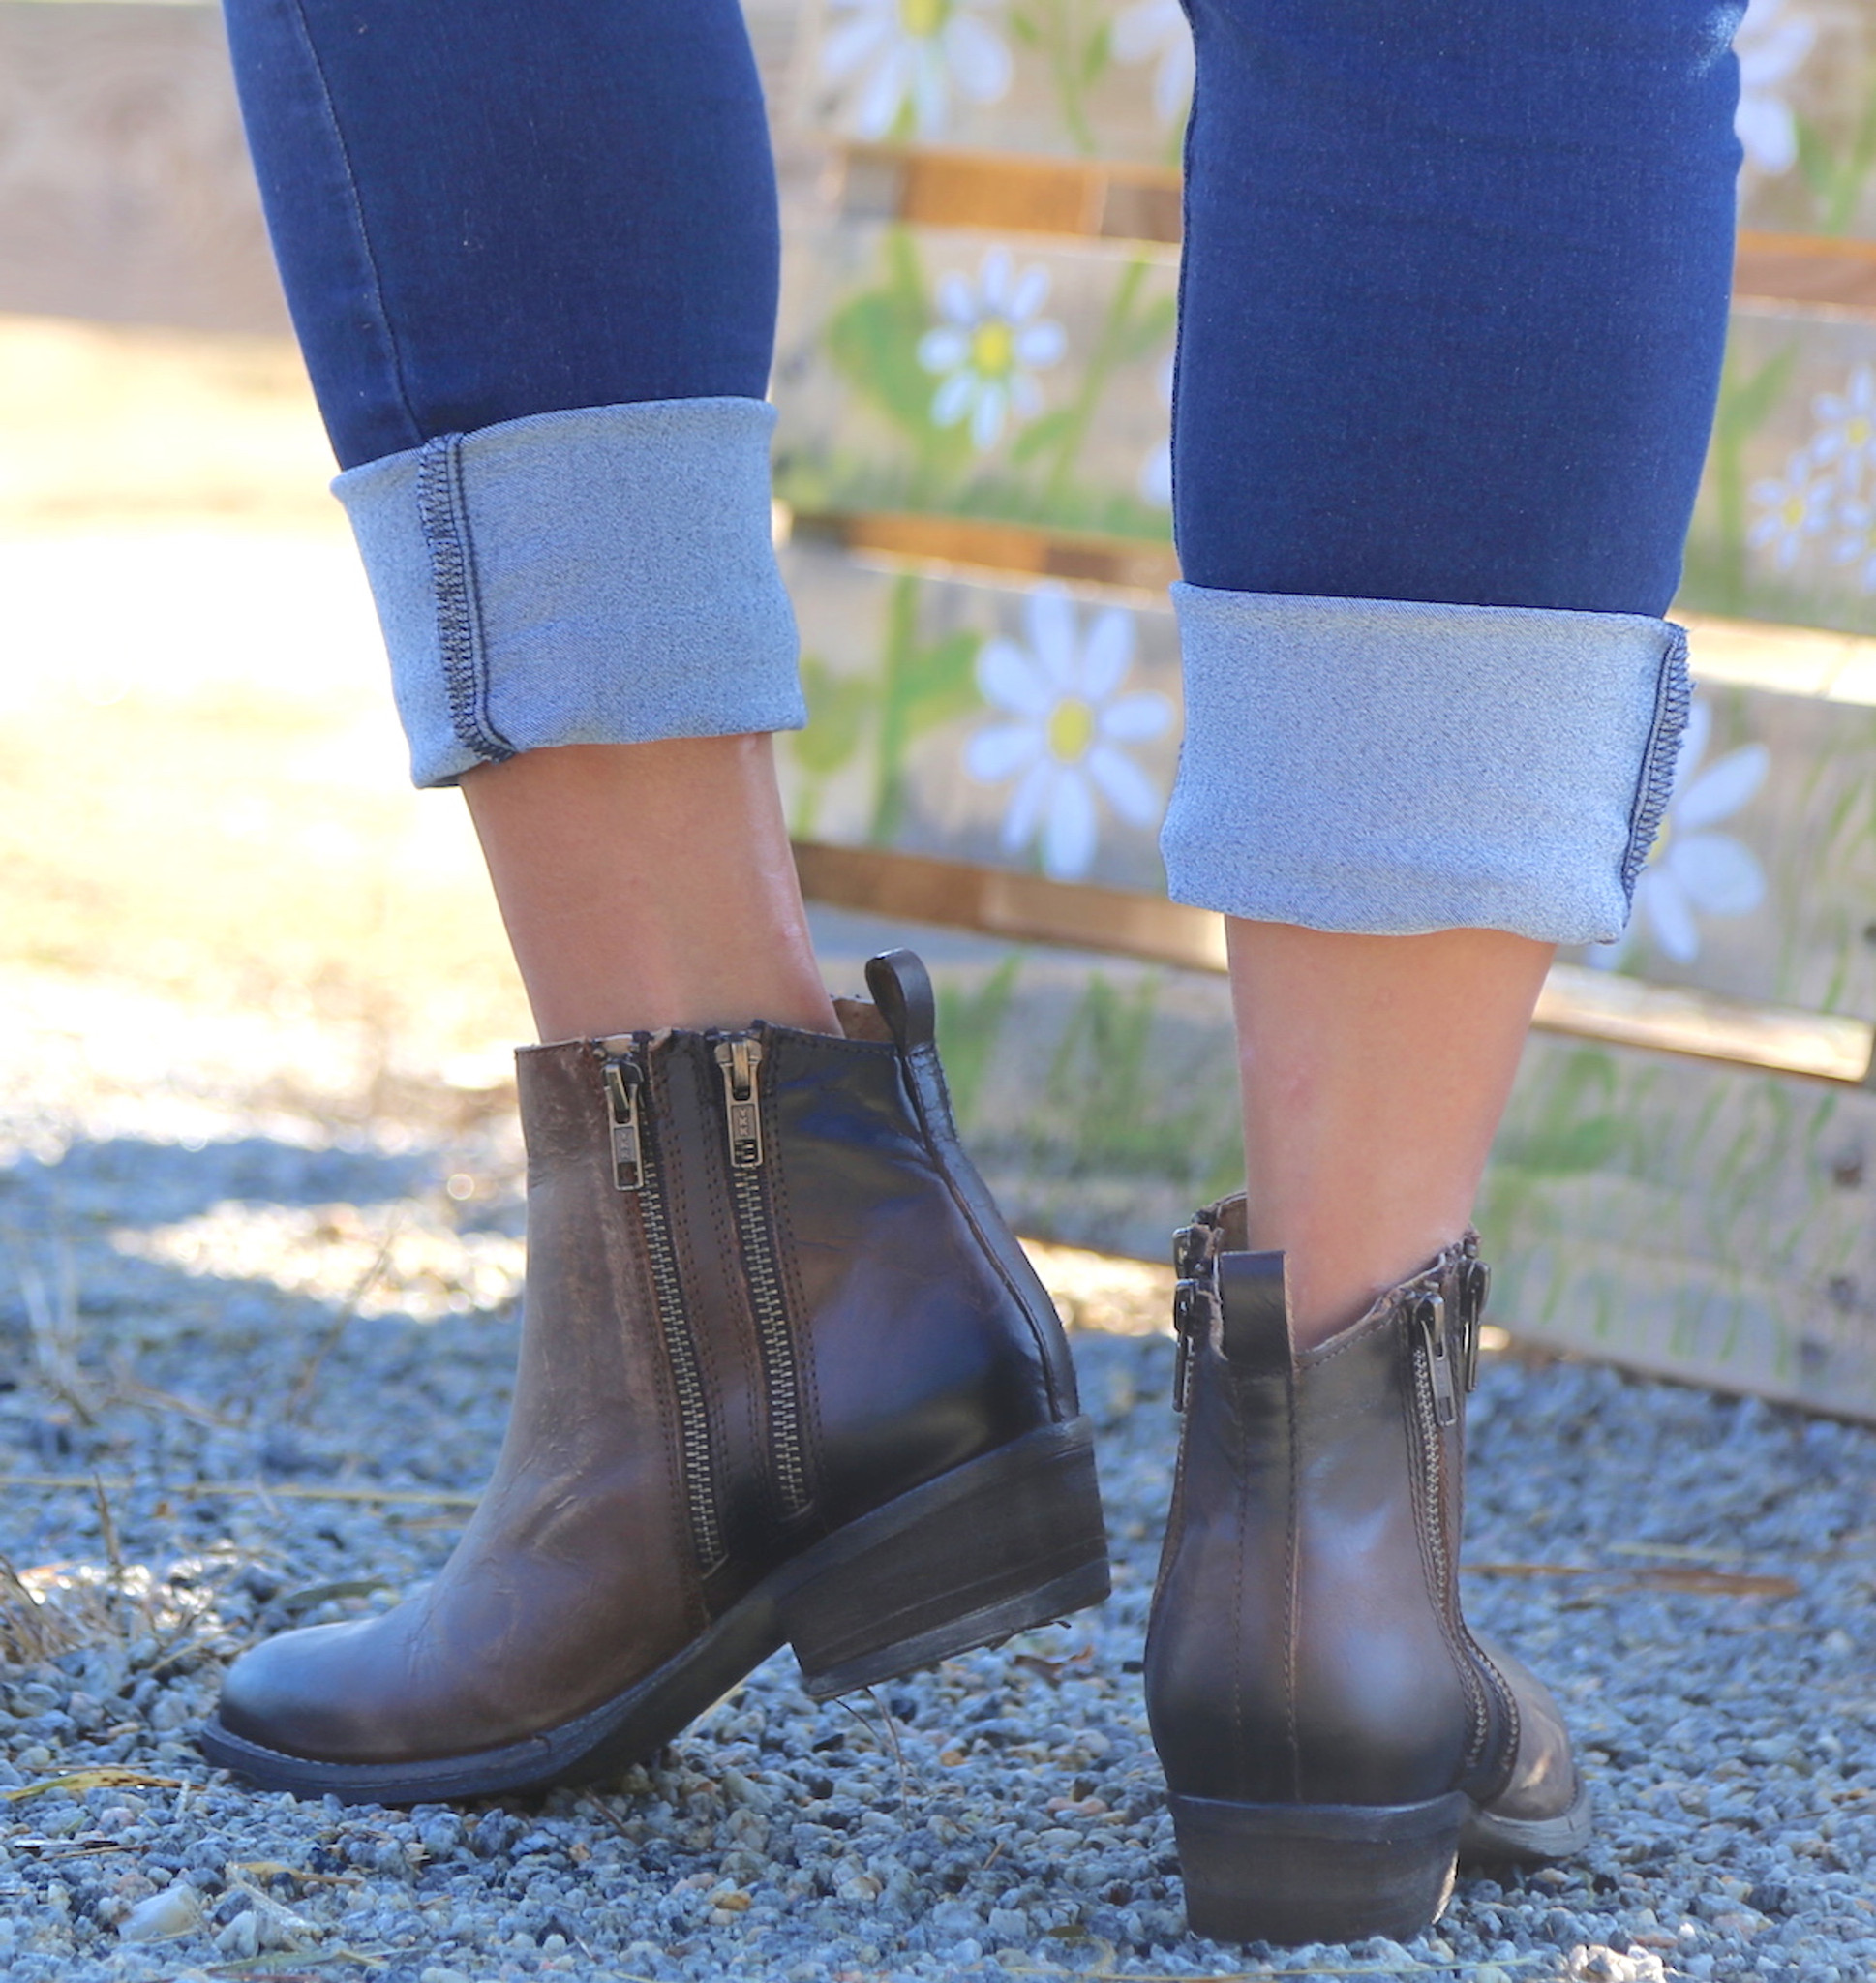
x=921 y=1337
x=1307 y=1644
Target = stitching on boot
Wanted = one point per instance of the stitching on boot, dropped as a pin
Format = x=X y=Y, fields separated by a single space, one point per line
x=922 y=1067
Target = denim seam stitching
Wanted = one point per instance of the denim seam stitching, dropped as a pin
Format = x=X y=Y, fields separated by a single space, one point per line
x=1673 y=698
x=378 y=309
x=443 y=514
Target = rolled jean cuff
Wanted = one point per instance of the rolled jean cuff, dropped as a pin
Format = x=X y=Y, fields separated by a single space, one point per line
x=604 y=575
x=1389 y=768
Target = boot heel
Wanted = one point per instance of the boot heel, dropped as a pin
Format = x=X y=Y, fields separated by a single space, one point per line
x=995 y=1547
x=1298 y=1873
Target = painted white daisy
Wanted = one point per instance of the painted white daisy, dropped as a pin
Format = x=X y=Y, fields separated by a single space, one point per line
x=1771 y=40
x=1150 y=30
x=1068 y=722
x=1792 y=509
x=987 y=347
x=1155 y=472
x=1692 y=868
x=1857 y=545
x=1846 y=434
x=906 y=58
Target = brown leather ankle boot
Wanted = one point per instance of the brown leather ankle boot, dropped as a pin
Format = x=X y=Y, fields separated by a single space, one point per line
x=784 y=1377
x=1333 y=1735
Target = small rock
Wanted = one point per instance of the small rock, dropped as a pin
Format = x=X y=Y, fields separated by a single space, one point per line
x=175 y=1911
x=241 y=1938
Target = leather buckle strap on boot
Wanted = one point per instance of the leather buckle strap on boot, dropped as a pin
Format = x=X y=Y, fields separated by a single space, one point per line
x=1334 y=1737
x=785 y=1377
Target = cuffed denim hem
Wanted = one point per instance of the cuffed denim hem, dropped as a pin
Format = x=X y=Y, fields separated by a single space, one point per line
x=600 y=576
x=1389 y=768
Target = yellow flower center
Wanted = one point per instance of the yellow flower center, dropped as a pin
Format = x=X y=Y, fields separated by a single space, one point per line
x=1858 y=433
x=923 y=19
x=1792 y=512
x=993 y=348
x=1071 y=730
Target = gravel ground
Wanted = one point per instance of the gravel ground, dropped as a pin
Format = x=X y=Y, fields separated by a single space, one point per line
x=255 y=1372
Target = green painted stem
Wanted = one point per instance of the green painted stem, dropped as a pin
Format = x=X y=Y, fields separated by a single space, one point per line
x=1093 y=381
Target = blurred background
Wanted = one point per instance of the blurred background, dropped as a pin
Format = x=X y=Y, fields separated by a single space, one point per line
x=218 y=894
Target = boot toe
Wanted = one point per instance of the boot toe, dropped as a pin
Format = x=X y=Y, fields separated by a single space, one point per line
x=300 y=1694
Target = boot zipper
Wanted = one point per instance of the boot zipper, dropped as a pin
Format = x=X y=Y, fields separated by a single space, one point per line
x=1430 y=1311
x=1435 y=1407
x=635 y=1168
x=738 y=1055
x=1195 y=1301
x=1474 y=1287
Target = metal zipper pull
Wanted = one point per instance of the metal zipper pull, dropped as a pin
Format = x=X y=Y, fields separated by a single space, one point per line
x=1195 y=1300
x=738 y=1056
x=1431 y=1314
x=624 y=1079
x=1195 y=1314
x=1475 y=1288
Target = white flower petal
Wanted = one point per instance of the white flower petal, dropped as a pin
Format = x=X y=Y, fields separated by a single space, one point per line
x=848 y=45
x=1002 y=750
x=1029 y=295
x=1125 y=786
x=1107 y=653
x=1716 y=874
x=957 y=302
x=944 y=350
x=1068 y=838
x=1009 y=678
x=986 y=423
x=1173 y=84
x=1052 y=635
x=1156 y=477
x=1039 y=344
x=1669 y=916
x=978 y=59
x=1027 y=806
x=1141 y=31
x=955 y=399
x=1136 y=719
x=1766 y=129
x=877 y=107
x=1722 y=788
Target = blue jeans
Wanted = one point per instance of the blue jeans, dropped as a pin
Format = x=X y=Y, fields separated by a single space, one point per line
x=1453 y=298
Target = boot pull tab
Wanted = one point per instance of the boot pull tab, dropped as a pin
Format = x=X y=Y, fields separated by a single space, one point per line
x=1253 y=1293
x=901 y=988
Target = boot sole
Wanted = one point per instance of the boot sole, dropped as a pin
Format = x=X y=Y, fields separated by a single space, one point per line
x=1290 y=1873
x=994 y=1548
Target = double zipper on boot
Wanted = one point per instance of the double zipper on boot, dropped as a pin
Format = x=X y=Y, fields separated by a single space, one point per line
x=1333 y=1736
x=785 y=1378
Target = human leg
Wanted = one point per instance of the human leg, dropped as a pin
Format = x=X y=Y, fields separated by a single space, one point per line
x=594 y=238
x=1453 y=294
x=784 y=1374
x=1454 y=299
